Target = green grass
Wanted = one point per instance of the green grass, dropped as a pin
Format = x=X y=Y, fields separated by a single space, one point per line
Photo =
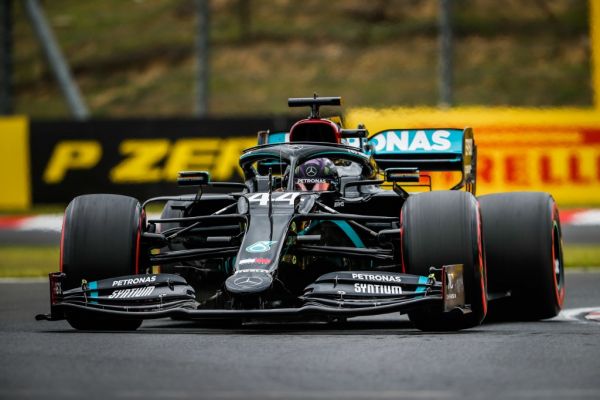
x=136 y=58
x=582 y=255
x=29 y=261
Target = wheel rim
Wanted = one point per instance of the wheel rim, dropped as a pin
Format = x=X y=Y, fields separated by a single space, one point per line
x=481 y=261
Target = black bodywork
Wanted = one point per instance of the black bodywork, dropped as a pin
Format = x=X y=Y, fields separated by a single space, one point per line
x=262 y=249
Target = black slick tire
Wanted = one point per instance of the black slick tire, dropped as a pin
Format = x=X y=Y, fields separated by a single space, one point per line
x=442 y=228
x=172 y=209
x=100 y=239
x=524 y=255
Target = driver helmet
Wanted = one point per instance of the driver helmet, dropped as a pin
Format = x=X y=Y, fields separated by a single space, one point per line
x=317 y=175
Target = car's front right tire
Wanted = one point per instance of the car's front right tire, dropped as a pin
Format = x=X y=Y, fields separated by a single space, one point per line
x=100 y=239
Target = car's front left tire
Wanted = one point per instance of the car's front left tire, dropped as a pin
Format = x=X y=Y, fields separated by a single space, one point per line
x=441 y=228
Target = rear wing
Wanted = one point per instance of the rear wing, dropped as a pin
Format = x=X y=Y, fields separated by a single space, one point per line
x=427 y=150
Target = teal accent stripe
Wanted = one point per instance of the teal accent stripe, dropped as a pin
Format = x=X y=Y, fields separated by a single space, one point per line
x=344 y=226
x=278 y=137
x=351 y=233
x=306 y=231
x=93 y=286
x=422 y=281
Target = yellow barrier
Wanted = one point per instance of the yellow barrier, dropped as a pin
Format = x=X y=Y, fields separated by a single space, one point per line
x=594 y=6
x=14 y=164
x=552 y=150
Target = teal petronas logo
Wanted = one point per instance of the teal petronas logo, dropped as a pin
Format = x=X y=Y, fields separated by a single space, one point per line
x=260 y=247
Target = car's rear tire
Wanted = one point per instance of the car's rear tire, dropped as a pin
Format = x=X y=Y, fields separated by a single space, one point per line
x=524 y=255
x=442 y=228
x=100 y=239
x=172 y=209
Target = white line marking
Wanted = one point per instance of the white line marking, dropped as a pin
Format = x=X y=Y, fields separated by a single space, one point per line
x=47 y=223
x=577 y=314
x=588 y=217
x=42 y=223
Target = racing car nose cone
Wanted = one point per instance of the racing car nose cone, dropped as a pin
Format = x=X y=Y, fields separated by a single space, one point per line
x=247 y=282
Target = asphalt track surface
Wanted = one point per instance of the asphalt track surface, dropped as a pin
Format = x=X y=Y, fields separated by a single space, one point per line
x=371 y=358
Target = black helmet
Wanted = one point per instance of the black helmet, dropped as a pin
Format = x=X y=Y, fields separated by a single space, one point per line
x=318 y=174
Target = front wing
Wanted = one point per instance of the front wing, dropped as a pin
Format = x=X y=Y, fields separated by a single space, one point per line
x=166 y=295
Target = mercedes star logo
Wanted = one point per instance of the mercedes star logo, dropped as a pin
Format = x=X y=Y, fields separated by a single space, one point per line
x=247 y=282
x=311 y=170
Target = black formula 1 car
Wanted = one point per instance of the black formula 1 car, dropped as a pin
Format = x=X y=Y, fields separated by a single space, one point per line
x=329 y=223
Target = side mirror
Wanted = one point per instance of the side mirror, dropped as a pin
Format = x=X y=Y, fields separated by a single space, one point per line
x=193 y=178
x=262 y=137
x=354 y=133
